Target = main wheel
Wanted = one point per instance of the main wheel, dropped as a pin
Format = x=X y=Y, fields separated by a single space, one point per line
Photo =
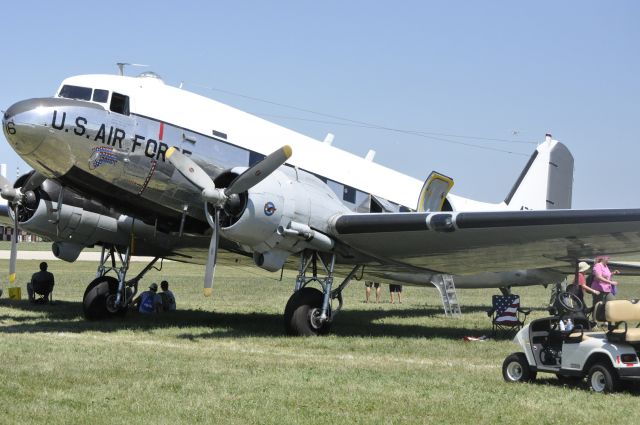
x=603 y=379
x=515 y=368
x=302 y=314
x=99 y=299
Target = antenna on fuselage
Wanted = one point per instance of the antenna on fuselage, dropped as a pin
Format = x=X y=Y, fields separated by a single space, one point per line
x=121 y=66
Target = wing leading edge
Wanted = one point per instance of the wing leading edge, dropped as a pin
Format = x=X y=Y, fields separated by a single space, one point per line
x=472 y=242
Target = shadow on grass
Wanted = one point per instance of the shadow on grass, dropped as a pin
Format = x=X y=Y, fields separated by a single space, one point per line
x=66 y=316
x=629 y=387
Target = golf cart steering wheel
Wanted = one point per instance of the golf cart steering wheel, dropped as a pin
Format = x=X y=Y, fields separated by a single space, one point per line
x=569 y=302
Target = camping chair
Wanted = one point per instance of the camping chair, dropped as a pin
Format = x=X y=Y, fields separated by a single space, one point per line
x=506 y=314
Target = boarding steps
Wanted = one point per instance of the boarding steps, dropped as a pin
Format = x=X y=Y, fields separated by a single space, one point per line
x=446 y=287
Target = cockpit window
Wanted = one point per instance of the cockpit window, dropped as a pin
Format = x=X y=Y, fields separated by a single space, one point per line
x=100 y=95
x=119 y=103
x=75 y=92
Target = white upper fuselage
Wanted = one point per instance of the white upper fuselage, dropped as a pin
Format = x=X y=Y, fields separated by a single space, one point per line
x=150 y=97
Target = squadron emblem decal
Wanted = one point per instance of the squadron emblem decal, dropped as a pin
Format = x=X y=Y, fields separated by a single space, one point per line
x=102 y=155
x=269 y=209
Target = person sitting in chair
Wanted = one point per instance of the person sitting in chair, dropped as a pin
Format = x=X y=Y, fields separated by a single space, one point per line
x=41 y=283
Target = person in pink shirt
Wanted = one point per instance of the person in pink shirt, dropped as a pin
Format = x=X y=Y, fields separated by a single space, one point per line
x=602 y=280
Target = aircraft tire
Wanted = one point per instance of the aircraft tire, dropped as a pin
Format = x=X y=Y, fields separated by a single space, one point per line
x=300 y=311
x=94 y=302
x=515 y=368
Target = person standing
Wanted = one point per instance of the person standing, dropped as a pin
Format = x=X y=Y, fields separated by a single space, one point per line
x=395 y=289
x=41 y=283
x=602 y=280
x=368 y=284
x=579 y=286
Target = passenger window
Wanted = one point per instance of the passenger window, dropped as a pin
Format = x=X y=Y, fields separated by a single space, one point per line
x=119 y=103
x=75 y=92
x=100 y=95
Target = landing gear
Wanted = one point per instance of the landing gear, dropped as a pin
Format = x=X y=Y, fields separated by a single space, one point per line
x=309 y=311
x=302 y=314
x=108 y=296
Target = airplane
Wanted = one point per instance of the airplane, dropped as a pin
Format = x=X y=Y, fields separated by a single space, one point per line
x=143 y=168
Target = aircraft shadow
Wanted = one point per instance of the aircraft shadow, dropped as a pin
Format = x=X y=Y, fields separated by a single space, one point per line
x=66 y=316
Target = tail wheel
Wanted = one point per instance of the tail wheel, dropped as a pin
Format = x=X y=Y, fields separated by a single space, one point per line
x=603 y=379
x=515 y=368
x=302 y=314
x=99 y=299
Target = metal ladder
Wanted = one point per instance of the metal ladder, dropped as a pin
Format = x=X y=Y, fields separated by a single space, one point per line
x=444 y=284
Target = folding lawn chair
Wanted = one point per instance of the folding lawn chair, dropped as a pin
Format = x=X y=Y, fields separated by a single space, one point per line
x=506 y=314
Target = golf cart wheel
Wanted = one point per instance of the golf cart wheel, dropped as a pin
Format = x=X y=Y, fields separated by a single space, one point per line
x=302 y=314
x=515 y=368
x=603 y=379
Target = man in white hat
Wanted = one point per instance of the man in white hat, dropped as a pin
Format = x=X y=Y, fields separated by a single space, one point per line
x=149 y=301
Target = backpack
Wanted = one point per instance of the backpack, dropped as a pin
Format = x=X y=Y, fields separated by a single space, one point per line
x=590 y=279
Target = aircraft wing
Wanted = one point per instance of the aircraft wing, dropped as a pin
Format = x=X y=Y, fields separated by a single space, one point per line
x=469 y=242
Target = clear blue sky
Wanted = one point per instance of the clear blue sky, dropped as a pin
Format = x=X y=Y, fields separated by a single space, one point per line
x=482 y=69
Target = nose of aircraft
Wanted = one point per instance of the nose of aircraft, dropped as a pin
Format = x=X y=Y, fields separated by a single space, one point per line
x=24 y=125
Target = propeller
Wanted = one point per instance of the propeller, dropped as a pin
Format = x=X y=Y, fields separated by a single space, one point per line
x=33 y=181
x=24 y=196
x=218 y=197
x=8 y=192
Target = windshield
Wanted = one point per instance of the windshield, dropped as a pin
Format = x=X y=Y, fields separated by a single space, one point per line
x=75 y=92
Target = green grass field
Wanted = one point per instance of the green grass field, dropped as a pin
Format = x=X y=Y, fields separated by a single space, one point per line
x=225 y=360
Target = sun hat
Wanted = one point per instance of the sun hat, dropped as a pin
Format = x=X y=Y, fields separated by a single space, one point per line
x=583 y=267
x=154 y=287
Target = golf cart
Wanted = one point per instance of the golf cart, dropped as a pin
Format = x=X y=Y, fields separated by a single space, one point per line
x=604 y=357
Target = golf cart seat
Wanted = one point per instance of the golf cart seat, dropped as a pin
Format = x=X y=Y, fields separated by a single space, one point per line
x=618 y=313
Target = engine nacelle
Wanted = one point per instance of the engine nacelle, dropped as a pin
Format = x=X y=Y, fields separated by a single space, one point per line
x=277 y=213
x=74 y=222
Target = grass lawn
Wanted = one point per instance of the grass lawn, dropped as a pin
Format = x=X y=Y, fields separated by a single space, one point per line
x=225 y=360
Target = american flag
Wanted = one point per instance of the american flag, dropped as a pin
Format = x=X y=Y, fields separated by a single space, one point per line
x=102 y=155
x=506 y=309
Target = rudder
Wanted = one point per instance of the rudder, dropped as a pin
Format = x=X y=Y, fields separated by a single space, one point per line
x=546 y=182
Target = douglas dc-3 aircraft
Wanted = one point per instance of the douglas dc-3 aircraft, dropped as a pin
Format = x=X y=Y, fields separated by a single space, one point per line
x=143 y=168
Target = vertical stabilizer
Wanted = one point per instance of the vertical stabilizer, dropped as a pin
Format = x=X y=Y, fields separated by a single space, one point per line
x=546 y=181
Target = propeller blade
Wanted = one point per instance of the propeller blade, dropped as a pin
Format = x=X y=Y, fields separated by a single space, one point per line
x=35 y=180
x=189 y=169
x=210 y=270
x=258 y=172
x=7 y=190
x=4 y=182
x=14 y=247
x=196 y=176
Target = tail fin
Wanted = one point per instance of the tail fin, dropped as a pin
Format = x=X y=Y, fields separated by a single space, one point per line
x=546 y=181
